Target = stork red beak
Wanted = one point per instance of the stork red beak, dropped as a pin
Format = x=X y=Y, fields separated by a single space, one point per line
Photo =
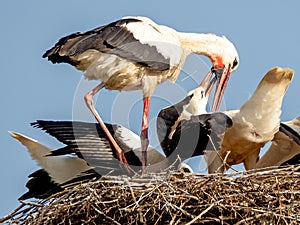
x=222 y=77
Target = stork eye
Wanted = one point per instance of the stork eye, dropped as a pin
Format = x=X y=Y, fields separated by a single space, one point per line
x=202 y=94
x=234 y=64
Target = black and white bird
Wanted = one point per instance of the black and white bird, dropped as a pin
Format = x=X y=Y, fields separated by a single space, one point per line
x=134 y=53
x=88 y=153
x=254 y=124
x=89 y=142
x=180 y=127
x=285 y=147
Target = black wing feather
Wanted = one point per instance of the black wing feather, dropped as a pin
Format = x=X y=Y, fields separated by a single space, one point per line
x=293 y=161
x=200 y=133
x=294 y=135
x=290 y=132
x=114 y=39
x=88 y=141
x=40 y=186
x=166 y=119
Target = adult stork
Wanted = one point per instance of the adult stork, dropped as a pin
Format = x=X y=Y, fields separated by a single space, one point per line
x=134 y=53
x=285 y=147
x=255 y=123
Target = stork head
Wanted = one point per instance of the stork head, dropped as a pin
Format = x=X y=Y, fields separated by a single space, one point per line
x=199 y=96
x=225 y=60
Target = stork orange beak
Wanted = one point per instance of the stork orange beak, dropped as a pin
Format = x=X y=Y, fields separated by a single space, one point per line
x=222 y=77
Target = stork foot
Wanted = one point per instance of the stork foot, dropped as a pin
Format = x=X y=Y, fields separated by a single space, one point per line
x=121 y=157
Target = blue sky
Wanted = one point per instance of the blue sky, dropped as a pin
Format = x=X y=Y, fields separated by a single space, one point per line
x=265 y=33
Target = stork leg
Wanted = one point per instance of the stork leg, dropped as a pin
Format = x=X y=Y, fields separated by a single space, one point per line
x=90 y=104
x=144 y=133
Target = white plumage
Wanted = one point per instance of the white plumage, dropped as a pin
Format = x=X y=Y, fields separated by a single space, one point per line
x=285 y=145
x=255 y=123
x=60 y=168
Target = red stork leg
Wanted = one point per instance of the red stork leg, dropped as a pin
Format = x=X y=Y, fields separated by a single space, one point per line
x=90 y=104
x=144 y=133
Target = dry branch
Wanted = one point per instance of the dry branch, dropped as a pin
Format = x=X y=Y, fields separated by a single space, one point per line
x=252 y=197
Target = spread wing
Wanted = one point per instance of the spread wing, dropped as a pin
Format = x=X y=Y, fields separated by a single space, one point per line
x=89 y=142
x=200 y=133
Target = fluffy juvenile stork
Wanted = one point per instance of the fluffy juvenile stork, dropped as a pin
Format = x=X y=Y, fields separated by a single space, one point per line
x=255 y=124
x=285 y=147
x=135 y=53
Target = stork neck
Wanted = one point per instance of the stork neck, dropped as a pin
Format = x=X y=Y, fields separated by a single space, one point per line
x=266 y=101
x=203 y=44
x=262 y=111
